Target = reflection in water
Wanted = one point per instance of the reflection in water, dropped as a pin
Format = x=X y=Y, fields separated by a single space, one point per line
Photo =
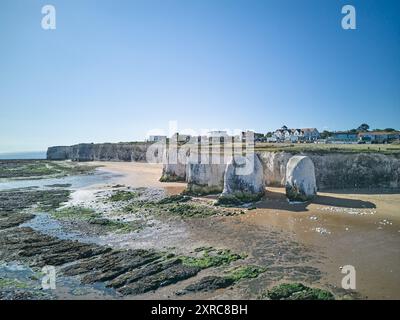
x=76 y=182
x=44 y=223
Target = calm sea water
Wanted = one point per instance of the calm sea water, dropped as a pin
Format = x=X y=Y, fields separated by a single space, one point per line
x=76 y=182
x=23 y=155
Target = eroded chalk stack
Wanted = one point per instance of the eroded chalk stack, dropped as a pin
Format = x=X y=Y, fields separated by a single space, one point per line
x=244 y=179
x=300 y=179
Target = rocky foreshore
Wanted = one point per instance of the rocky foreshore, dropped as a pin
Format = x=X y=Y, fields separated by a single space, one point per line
x=114 y=213
x=127 y=271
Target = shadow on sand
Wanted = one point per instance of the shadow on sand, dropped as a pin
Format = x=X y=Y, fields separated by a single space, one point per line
x=278 y=201
x=364 y=191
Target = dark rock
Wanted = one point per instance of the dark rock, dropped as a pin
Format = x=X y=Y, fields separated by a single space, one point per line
x=209 y=283
x=174 y=274
x=9 y=220
x=39 y=250
x=136 y=275
x=120 y=263
x=16 y=200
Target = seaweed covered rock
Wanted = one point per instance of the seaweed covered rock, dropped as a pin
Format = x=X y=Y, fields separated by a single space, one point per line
x=298 y=291
x=207 y=284
x=300 y=179
x=243 y=180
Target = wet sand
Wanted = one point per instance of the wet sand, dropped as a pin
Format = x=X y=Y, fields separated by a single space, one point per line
x=362 y=230
x=346 y=227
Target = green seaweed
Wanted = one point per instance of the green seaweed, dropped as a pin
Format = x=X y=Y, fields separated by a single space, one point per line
x=89 y=215
x=74 y=212
x=245 y=272
x=116 y=226
x=177 y=205
x=178 y=198
x=122 y=195
x=211 y=258
x=237 y=199
x=50 y=199
x=298 y=291
x=8 y=283
x=197 y=190
x=312 y=148
x=191 y=210
x=171 y=178
x=39 y=169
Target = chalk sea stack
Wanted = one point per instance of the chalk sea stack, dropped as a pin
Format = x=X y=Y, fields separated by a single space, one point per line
x=174 y=165
x=243 y=180
x=205 y=177
x=300 y=179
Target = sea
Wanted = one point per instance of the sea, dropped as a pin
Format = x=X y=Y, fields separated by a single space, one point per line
x=23 y=155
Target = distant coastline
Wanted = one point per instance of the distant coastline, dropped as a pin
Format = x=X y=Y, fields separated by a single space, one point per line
x=23 y=155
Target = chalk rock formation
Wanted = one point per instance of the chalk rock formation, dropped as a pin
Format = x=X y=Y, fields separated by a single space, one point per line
x=300 y=179
x=274 y=164
x=243 y=179
x=59 y=153
x=123 y=151
x=174 y=165
x=333 y=170
x=173 y=172
x=205 y=177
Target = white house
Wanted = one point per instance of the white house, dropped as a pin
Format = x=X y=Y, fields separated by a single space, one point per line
x=156 y=138
x=285 y=134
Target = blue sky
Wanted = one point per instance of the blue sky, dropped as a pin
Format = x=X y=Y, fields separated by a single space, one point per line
x=113 y=70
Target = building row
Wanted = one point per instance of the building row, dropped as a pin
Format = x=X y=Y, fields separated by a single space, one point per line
x=365 y=137
x=286 y=135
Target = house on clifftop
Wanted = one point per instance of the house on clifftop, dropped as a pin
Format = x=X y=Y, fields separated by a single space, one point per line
x=285 y=134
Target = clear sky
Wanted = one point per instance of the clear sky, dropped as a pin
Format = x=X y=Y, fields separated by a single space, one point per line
x=113 y=70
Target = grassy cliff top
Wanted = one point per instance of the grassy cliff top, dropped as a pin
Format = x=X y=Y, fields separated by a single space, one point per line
x=388 y=149
x=329 y=148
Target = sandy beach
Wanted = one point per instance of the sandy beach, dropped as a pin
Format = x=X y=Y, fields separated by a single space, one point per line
x=139 y=174
x=351 y=227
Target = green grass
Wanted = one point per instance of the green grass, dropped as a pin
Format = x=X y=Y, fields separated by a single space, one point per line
x=298 y=291
x=328 y=148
